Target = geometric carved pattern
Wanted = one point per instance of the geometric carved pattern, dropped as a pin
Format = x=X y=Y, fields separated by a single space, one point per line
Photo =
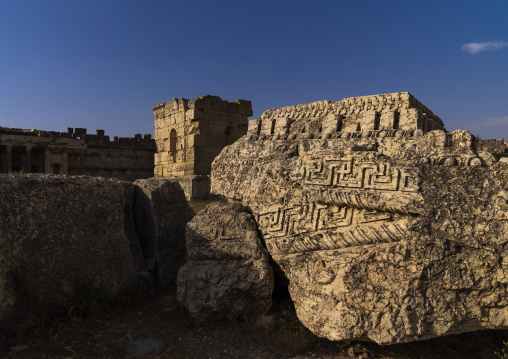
x=358 y=235
x=406 y=203
x=313 y=226
x=346 y=173
x=279 y=222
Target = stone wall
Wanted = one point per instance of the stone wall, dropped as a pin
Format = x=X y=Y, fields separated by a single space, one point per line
x=493 y=146
x=76 y=153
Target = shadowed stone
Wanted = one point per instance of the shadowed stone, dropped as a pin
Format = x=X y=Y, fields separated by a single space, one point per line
x=227 y=274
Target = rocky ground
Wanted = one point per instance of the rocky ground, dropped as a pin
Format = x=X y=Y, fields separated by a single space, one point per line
x=157 y=321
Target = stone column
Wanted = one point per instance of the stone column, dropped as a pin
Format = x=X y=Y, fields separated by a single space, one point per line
x=28 y=164
x=47 y=160
x=65 y=162
x=82 y=162
x=9 y=158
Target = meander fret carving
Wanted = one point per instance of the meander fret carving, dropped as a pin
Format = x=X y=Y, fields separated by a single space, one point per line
x=347 y=173
x=280 y=222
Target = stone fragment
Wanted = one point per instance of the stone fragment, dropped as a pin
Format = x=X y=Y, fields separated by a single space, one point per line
x=388 y=227
x=161 y=214
x=60 y=236
x=227 y=274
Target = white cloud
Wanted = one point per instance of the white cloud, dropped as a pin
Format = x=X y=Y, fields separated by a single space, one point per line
x=491 y=122
x=476 y=47
x=494 y=127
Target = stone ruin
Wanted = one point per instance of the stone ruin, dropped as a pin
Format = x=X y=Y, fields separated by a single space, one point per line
x=494 y=145
x=191 y=133
x=388 y=227
x=76 y=152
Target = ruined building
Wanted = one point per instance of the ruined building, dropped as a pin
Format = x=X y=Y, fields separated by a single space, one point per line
x=493 y=145
x=76 y=153
x=191 y=133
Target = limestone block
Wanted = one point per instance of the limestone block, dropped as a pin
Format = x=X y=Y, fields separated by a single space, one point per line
x=61 y=235
x=194 y=114
x=332 y=123
x=232 y=107
x=389 y=235
x=227 y=274
x=253 y=128
x=409 y=119
x=368 y=119
x=282 y=125
x=387 y=120
x=267 y=126
x=161 y=214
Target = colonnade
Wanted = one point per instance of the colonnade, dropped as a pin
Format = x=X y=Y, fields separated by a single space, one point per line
x=55 y=158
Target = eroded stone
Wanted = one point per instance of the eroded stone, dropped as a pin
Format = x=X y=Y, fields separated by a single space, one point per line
x=161 y=214
x=227 y=274
x=388 y=227
x=61 y=236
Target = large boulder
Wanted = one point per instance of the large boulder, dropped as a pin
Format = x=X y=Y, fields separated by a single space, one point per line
x=161 y=214
x=388 y=227
x=63 y=237
x=227 y=275
x=60 y=234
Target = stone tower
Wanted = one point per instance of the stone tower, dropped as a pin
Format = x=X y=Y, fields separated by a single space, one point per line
x=191 y=133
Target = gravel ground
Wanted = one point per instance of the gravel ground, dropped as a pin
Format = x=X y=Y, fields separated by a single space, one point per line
x=113 y=333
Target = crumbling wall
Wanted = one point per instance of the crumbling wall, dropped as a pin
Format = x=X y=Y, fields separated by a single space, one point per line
x=493 y=146
x=76 y=153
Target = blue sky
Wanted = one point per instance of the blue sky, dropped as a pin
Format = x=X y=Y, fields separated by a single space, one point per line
x=105 y=63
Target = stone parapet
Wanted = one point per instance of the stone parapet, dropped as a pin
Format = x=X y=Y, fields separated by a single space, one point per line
x=81 y=134
x=493 y=145
x=395 y=111
x=76 y=153
x=206 y=103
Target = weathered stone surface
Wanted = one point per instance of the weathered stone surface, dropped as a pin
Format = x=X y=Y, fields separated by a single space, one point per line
x=191 y=133
x=60 y=235
x=76 y=153
x=227 y=274
x=161 y=214
x=388 y=227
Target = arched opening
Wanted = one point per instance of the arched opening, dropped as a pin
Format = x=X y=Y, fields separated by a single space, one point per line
x=56 y=169
x=172 y=145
